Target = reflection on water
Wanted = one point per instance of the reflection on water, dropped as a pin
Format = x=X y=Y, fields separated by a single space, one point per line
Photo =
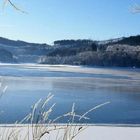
x=81 y=86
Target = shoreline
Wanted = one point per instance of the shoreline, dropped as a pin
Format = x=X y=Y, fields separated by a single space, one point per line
x=77 y=125
x=68 y=65
x=90 y=133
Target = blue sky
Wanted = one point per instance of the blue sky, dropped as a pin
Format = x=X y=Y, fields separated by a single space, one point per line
x=49 y=20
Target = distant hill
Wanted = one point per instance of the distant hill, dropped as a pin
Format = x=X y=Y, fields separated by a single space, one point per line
x=9 y=42
x=124 y=52
x=21 y=51
x=132 y=40
x=6 y=56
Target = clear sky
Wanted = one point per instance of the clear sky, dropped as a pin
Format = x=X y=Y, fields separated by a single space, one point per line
x=49 y=20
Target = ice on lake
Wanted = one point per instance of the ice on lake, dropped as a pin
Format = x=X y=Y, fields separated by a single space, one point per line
x=84 y=86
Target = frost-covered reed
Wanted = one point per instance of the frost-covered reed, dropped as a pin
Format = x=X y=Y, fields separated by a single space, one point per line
x=37 y=125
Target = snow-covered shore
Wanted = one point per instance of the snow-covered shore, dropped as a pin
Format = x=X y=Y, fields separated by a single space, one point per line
x=110 y=133
x=90 y=133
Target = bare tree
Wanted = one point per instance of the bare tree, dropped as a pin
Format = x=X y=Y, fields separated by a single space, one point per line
x=13 y=5
x=136 y=8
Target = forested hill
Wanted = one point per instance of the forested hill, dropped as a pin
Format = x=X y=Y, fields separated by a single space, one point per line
x=9 y=42
x=132 y=40
x=20 y=51
x=124 y=52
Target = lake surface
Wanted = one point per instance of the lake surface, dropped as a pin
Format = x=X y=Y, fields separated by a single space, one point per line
x=85 y=86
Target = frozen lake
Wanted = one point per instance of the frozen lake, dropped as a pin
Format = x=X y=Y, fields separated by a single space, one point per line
x=84 y=86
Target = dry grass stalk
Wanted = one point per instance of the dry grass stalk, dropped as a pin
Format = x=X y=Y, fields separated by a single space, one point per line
x=40 y=126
